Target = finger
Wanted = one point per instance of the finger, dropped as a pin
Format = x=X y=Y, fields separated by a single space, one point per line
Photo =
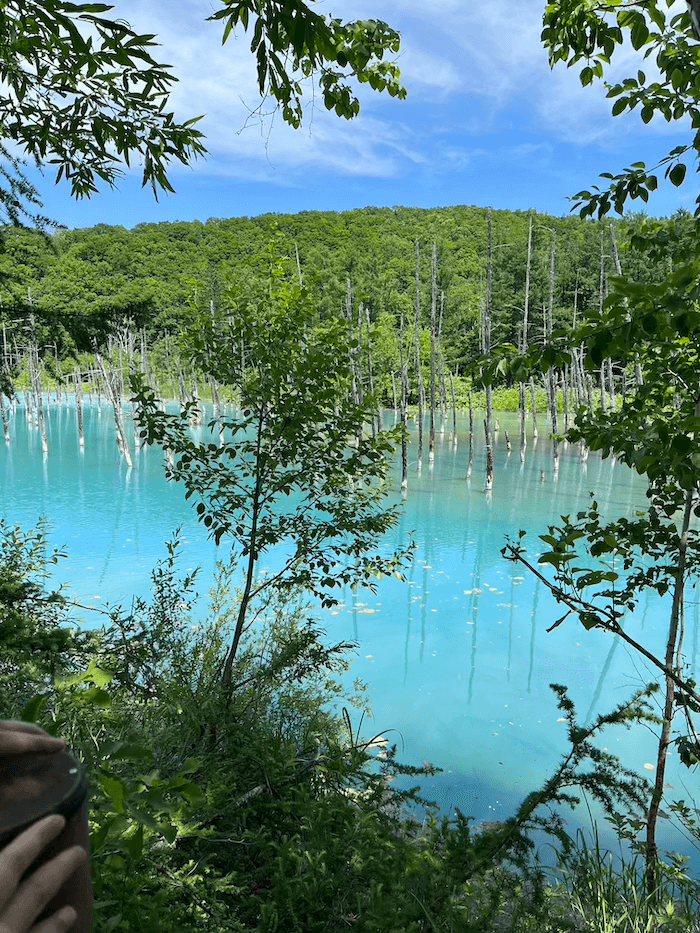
x=21 y=738
x=18 y=855
x=60 y=922
x=39 y=889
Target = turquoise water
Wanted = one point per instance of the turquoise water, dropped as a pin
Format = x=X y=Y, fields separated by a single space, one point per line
x=457 y=660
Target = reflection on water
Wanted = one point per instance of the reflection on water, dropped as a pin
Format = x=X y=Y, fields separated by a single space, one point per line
x=457 y=658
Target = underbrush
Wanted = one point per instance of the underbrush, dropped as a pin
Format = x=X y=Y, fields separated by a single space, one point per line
x=268 y=809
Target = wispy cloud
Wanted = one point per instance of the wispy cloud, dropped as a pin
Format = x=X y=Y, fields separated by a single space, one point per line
x=471 y=69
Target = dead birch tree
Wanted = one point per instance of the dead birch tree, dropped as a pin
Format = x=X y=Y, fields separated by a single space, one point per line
x=433 y=315
x=111 y=390
x=78 y=385
x=404 y=403
x=419 y=375
x=523 y=343
x=486 y=349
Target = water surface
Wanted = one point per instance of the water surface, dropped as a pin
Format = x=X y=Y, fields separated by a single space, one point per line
x=458 y=660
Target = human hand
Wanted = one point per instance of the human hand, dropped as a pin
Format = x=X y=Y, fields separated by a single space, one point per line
x=22 y=900
x=25 y=738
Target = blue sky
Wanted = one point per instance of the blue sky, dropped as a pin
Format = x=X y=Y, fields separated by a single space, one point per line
x=485 y=122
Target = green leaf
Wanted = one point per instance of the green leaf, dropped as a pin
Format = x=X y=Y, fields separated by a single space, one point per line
x=639 y=33
x=134 y=843
x=620 y=104
x=678 y=79
x=589 y=620
x=677 y=174
x=114 y=789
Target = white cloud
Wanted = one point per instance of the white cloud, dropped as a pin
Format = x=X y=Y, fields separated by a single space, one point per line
x=480 y=65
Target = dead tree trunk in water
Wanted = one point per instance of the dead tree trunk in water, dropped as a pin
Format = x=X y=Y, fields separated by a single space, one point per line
x=216 y=404
x=78 y=382
x=433 y=314
x=404 y=404
x=370 y=373
x=111 y=390
x=441 y=369
x=603 y=403
x=533 y=396
x=471 y=436
x=454 y=410
x=352 y=355
x=486 y=349
x=523 y=342
x=551 y=375
x=5 y=418
x=35 y=377
x=419 y=375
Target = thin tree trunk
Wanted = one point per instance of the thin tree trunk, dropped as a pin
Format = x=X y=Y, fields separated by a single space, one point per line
x=454 y=410
x=216 y=403
x=79 y=407
x=250 y=571
x=143 y=362
x=197 y=415
x=38 y=397
x=601 y=299
x=28 y=408
x=433 y=315
x=352 y=355
x=603 y=402
x=441 y=369
x=5 y=419
x=551 y=376
x=348 y=314
x=486 y=348
x=471 y=436
x=524 y=342
x=360 y=328
x=182 y=389
x=669 y=704
x=419 y=375
x=299 y=276
x=611 y=384
x=404 y=405
x=533 y=396
x=370 y=373
x=618 y=268
x=111 y=390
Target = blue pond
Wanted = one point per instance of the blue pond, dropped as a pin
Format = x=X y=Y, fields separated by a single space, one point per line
x=457 y=660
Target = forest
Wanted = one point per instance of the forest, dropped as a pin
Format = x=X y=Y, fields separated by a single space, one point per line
x=77 y=291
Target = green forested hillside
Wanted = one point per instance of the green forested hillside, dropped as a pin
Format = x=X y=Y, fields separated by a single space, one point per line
x=82 y=285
